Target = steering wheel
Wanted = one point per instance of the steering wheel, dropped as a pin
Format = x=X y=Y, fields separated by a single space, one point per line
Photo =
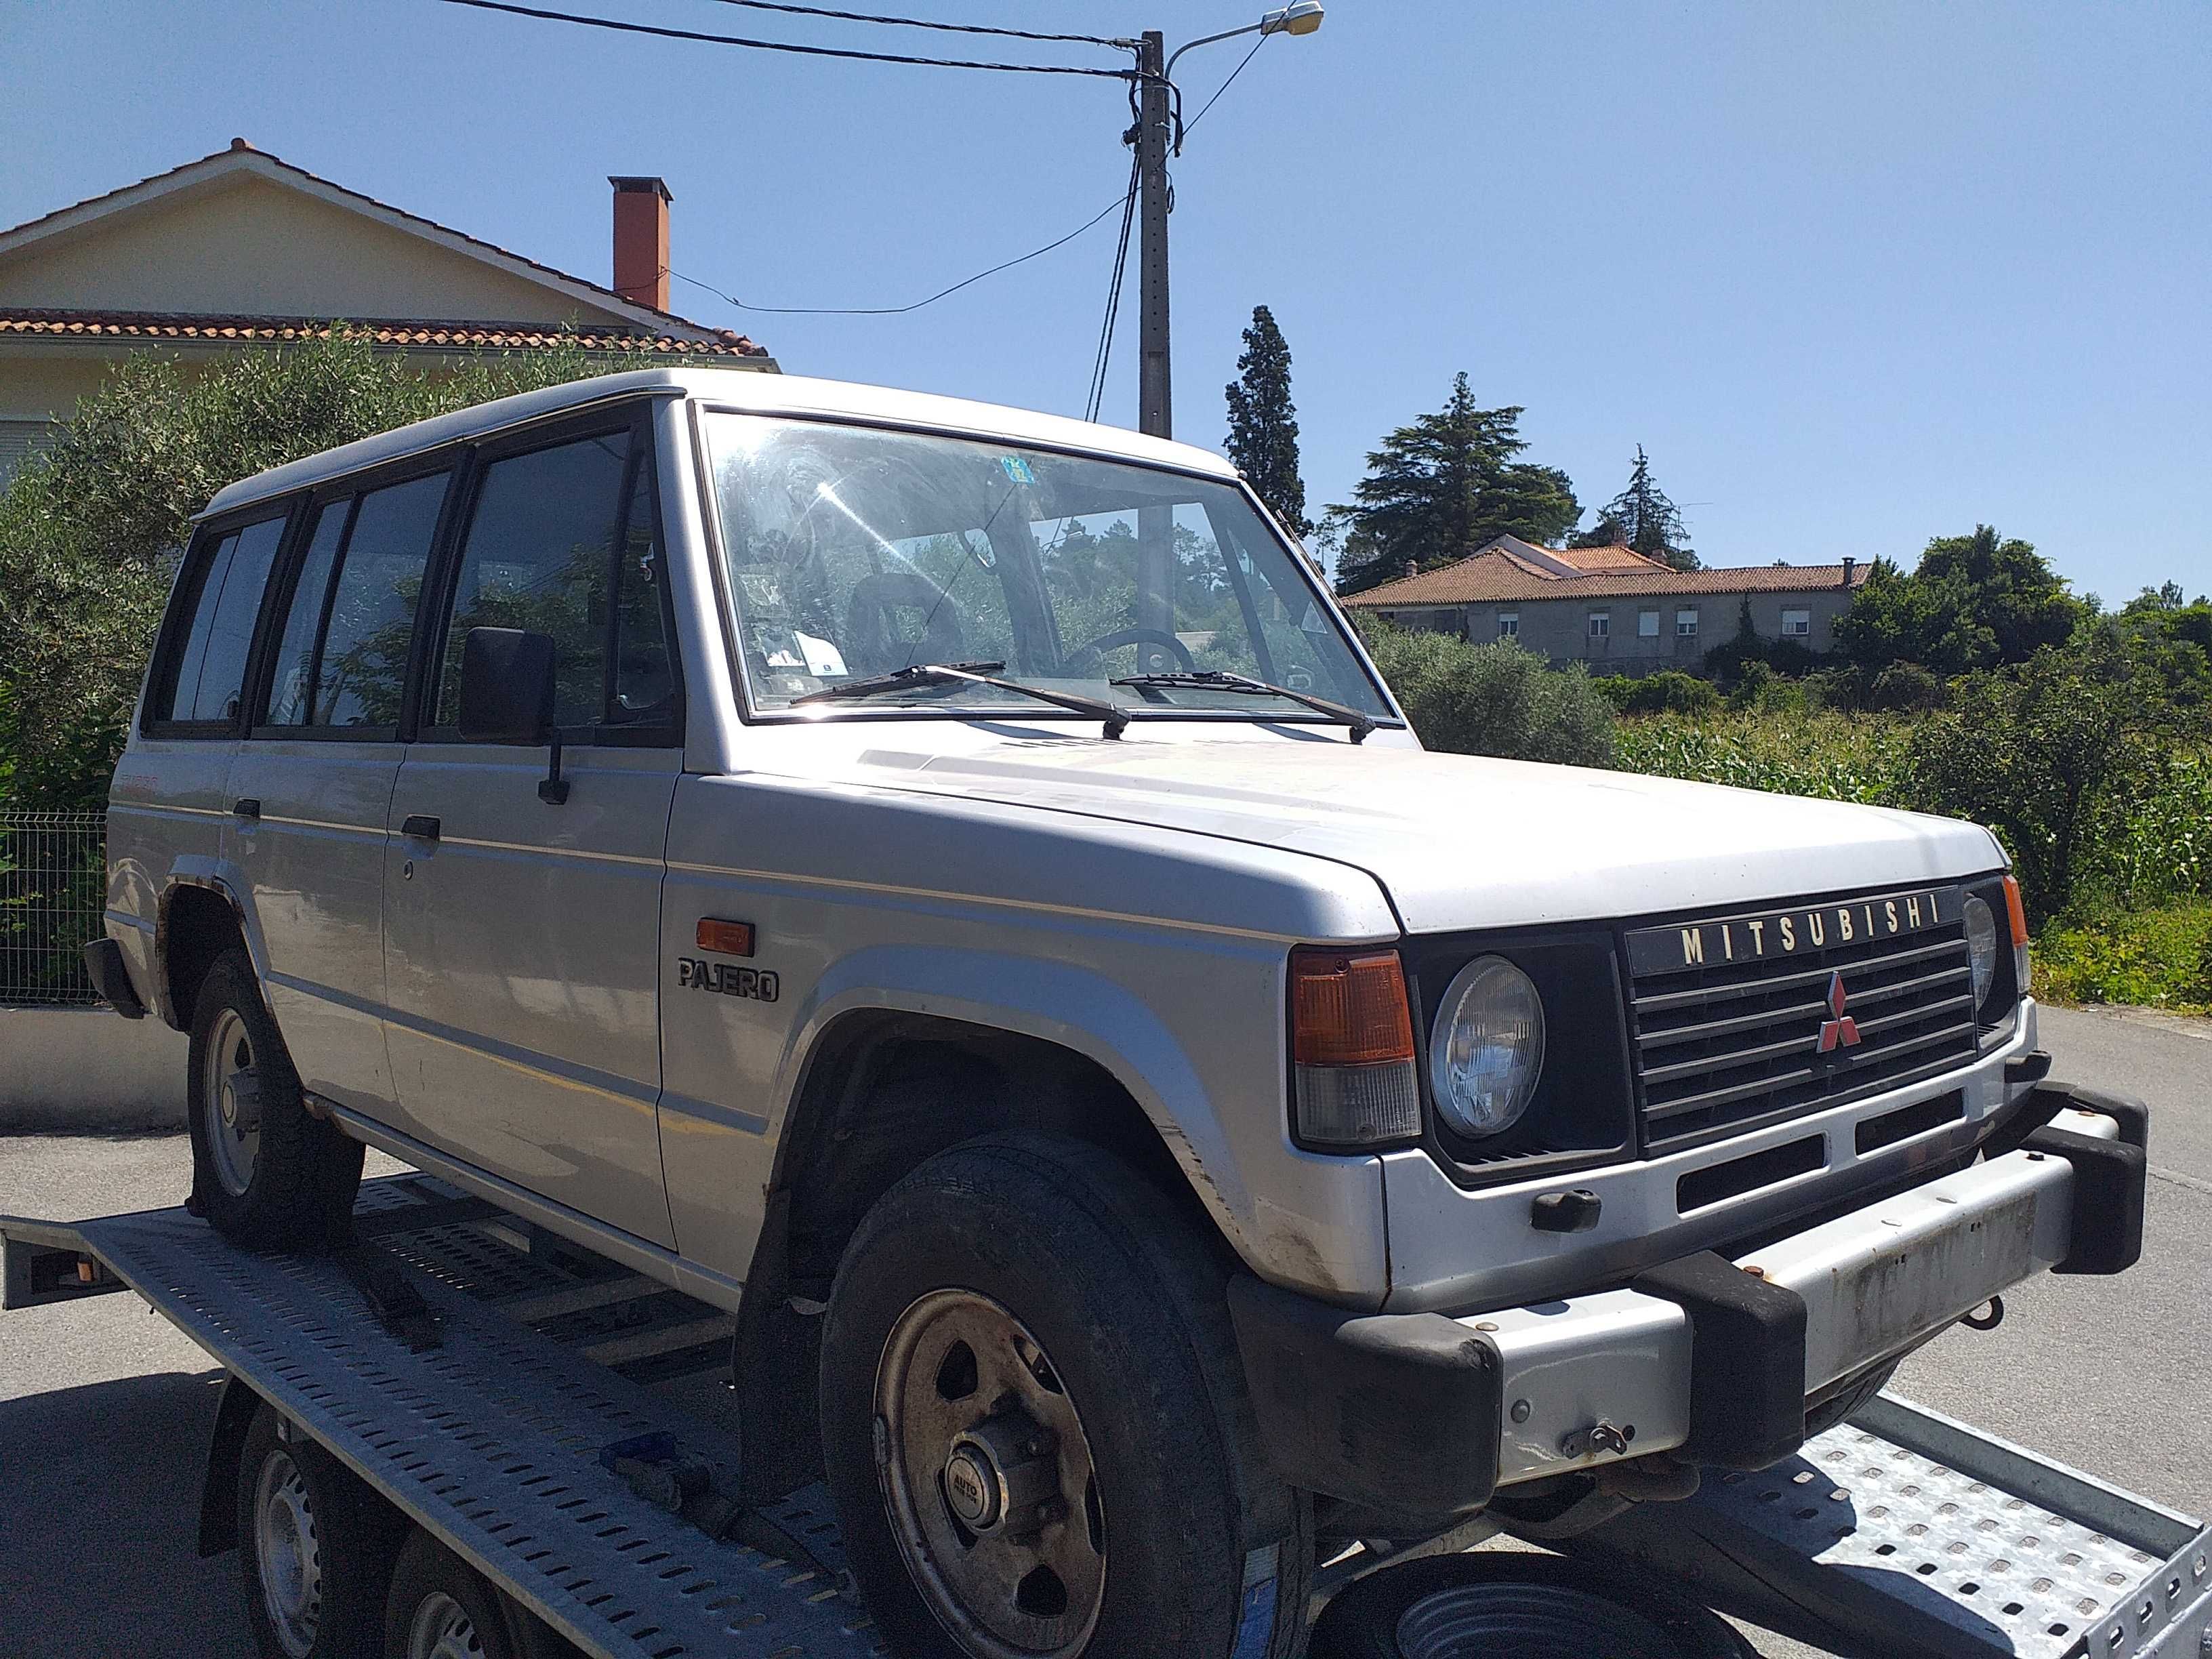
x=1128 y=636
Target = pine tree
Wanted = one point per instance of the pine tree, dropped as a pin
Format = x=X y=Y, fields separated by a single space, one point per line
x=1642 y=518
x=1437 y=489
x=1263 y=422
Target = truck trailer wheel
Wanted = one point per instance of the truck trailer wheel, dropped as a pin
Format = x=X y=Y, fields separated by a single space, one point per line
x=315 y=1547
x=264 y=1173
x=1035 y=1423
x=1511 y=1604
x=440 y=1608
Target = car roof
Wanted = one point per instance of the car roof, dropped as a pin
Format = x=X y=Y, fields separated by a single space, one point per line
x=747 y=390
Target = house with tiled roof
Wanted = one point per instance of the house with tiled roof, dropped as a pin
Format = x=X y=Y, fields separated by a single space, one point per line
x=1611 y=607
x=239 y=251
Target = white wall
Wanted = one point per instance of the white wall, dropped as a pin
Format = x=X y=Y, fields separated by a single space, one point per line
x=89 y=1068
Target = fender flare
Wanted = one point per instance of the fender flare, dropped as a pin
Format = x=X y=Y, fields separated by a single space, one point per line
x=219 y=876
x=1057 y=1002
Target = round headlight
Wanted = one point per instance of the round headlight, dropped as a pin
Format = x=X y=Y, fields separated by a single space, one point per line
x=1981 y=947
x=1487 y=1049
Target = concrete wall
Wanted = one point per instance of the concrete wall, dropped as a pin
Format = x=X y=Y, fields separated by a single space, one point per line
x=1559 y=628
x=89 y=1068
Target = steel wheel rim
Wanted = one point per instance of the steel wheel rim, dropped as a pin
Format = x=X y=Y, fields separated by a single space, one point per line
x=231 y=1088
x=441 y=1629
x=989 y=1479
x=287 y=1549
x=1529 y=1621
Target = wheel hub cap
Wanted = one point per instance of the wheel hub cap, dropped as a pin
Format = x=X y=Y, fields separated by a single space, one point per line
x=988 y=1480
x=232 y=1089
x=288 y=1551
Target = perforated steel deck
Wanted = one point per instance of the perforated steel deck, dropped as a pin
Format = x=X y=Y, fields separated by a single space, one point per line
x=1920 y=1535
x=490 y=1440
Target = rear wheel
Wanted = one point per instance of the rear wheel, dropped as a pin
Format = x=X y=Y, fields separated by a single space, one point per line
x=266 y=1173
x=440 y=1608
x=1035 y=1425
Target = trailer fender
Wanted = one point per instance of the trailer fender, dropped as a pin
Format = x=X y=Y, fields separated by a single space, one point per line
x=219 y=1485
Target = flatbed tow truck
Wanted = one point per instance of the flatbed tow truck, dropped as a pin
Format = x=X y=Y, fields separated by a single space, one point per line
x=522 y=1402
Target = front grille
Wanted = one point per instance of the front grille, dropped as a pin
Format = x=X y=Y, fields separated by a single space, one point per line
x=1733 y=1016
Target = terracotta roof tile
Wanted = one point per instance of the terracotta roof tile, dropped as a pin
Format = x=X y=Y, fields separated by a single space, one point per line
x=1493 y=577
x=152 y=326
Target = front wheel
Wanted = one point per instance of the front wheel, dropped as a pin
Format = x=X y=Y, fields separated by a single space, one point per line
x=1035 y=1423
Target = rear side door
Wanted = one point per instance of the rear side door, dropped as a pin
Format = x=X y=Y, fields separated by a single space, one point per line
x=521 y=936
x=312 y=784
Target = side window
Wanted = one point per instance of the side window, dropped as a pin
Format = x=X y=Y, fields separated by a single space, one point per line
x=360 y=668
x=205 y=673
x=292 y=686
x=538 y=554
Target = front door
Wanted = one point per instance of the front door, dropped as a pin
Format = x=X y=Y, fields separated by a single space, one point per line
x=521 y=935
x=312 y=784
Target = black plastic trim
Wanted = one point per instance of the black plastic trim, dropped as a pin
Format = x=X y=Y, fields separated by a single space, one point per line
x=2109 y=1178
x=1399 y=1411
x=105 y=967
x=1747 y=1360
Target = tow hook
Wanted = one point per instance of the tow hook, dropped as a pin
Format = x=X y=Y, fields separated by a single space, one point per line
x=1978 y=1320
x=1599 y=1437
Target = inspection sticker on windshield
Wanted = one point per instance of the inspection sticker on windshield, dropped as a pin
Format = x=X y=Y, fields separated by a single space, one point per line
x=1017 y=469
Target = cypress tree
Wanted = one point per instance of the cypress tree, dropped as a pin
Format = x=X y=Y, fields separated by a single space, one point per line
x=1642 y=518
x=1263 y=422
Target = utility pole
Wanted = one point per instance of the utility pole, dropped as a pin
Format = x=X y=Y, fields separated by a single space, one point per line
x=1155 y=389
x=1155 y=608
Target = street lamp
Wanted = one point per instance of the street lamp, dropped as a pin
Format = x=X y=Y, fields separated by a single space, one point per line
x=1155 y=400
x=1299 y=17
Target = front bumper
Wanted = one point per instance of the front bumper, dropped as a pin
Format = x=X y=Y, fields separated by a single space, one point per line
x=1711 y=1359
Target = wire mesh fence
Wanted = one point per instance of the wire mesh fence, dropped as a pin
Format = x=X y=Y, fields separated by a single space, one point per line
x=52 y=891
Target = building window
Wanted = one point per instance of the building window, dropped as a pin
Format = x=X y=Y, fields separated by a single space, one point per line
x=1601 y=624
x=1686 y=624
x=1647 y=625
x=1509 y=624
x=1797 y=624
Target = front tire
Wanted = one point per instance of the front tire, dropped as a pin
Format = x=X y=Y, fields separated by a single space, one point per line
x=264 y=1173
x=1035 y=1423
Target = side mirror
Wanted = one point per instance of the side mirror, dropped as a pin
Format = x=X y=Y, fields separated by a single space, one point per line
x=507 y=695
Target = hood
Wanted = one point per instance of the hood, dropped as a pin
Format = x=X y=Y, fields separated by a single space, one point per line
x=1464 y=842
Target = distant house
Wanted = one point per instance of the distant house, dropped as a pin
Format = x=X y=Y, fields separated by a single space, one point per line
x=1614 y=608
x=239 y=250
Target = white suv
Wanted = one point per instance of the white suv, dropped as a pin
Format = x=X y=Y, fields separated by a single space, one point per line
x=945 y=884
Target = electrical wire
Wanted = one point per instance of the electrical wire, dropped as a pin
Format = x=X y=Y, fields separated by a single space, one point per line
x=898 y=311
x=922 y=23
x=665 y=33
x=1104 y=355
x=1182 y=128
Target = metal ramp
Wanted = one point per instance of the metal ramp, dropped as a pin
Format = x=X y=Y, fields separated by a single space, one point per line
x=1904 y=1533
x=491 y=1438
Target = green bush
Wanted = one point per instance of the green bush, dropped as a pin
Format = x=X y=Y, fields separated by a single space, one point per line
x=1907 y=686
x=1669 y=692
x=1493 y=699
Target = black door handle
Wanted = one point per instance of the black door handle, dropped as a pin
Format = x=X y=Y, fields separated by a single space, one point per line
x=245 y=806
x=419 y=825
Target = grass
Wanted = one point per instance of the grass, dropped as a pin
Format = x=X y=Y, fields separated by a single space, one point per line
x=2156 y=958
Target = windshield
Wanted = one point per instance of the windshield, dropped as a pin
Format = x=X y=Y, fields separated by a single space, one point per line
x=855 y=552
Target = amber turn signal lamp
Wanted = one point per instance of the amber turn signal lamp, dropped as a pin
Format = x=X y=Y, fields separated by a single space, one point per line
x=2016 y=912
x=1355 y=1084
x=729 y=938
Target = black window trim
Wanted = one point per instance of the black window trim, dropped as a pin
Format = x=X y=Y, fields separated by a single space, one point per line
x=176 y=628
x=347 y=488
x=632 y=415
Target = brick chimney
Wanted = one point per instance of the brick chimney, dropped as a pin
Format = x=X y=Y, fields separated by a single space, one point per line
x=641 y=240
x=1848 y=563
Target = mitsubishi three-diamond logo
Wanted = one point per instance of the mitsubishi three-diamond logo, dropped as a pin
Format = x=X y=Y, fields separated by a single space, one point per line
x=1839 y=1030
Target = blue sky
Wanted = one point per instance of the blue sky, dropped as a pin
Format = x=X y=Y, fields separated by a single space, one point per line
x=1854 y=273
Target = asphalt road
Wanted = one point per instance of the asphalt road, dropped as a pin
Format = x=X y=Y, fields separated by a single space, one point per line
x=105 y=1408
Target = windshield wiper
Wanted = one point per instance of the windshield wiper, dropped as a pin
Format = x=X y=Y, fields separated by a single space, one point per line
x=973 y=674
x=1215 y=680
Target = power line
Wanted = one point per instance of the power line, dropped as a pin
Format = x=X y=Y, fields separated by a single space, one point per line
x=920 y=24
x=1100 y=359
x=664 y=34
x=900 y=311
x=1182 y=129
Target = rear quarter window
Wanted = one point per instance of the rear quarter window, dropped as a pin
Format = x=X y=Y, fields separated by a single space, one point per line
x=204 y=674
